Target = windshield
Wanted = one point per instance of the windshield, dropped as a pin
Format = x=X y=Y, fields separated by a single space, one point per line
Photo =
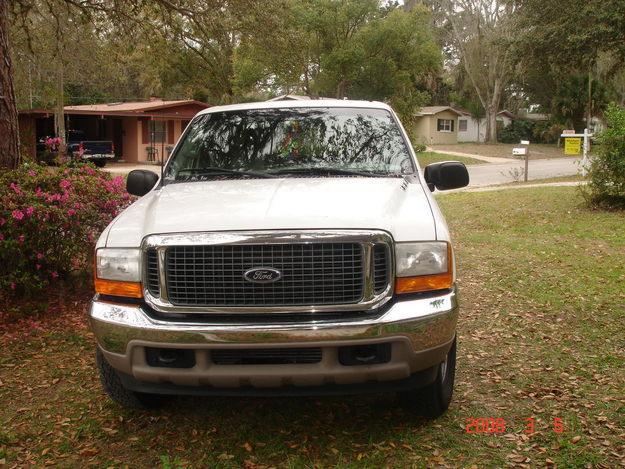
x=291 y=141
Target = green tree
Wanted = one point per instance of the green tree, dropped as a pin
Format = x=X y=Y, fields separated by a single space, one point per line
x=479 y=34
x=558 y=44
x=353 y=48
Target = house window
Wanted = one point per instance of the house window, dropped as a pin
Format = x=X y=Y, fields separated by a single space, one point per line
x=445 y=125
x=462 y=125
x=158 y=131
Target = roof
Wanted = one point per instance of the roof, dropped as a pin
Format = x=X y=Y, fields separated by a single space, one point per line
x=432 y=110
x=507 y=113
x=184 y=108
x=311 y=103
x=463 y=112
x=134 y=106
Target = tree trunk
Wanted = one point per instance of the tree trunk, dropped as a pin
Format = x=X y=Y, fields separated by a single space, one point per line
x=491 y=111
x=491 y=125
x=59 y=109
x=9 y=141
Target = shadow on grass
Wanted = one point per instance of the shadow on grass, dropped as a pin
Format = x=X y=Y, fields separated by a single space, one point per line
x=345 y=423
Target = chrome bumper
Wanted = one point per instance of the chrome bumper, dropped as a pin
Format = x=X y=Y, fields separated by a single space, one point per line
x=420 y=330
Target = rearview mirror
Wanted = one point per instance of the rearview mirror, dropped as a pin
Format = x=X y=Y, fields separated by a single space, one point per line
x=446 y=175
x=140 y=182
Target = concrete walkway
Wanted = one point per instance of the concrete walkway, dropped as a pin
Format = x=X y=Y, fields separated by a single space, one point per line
x=487 y=159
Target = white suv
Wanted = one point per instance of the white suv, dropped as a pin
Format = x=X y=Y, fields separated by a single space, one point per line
x=288 y=248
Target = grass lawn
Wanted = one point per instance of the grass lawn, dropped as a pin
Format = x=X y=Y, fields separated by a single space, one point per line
x=541 y=335
x=504 y=150
x=427 y=157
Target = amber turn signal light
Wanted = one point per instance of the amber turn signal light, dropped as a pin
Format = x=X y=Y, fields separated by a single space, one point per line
x=118 y=288
x=423 y=283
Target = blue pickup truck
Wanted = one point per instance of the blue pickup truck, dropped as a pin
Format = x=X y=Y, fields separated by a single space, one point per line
x=96 y=151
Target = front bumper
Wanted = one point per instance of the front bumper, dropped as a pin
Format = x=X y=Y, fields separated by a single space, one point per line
x=94 y=156
x=420 y=332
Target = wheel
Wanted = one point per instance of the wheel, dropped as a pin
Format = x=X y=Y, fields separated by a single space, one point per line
x=113 y=387
x=433 y=400
x=99 y=163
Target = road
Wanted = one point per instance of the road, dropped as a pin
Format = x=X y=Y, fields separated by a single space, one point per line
x=480 y=174
x=489 y=174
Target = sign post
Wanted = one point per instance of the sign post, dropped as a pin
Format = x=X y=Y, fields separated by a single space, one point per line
x=523 y=151
x=574 y=144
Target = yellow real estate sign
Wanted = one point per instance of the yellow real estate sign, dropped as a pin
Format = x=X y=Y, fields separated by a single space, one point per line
x=572 y=146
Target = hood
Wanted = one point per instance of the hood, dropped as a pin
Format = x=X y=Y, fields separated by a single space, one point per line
x=396 y=205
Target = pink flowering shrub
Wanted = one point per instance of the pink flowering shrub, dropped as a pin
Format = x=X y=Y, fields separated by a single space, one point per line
x=50 y=219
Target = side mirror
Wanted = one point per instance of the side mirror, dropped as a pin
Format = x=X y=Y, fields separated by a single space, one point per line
x=140 y=182
x=446 y=175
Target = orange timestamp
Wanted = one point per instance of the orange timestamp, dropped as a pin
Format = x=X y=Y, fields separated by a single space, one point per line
x=493 y=425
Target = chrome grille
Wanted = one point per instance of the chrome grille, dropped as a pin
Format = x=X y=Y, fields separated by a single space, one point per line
x=151 y=272
x=380 y=268
x=312 y=274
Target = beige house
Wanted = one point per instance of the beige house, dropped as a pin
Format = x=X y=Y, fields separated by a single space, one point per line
x=141 y=131
x=437 y=124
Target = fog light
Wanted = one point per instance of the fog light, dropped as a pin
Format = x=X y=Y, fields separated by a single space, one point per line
x=372 y=354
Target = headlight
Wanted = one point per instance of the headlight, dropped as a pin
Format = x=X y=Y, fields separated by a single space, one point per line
x=118 y=272
x=423 y=266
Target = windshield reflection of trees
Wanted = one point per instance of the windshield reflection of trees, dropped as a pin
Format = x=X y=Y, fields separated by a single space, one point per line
x=275 y=139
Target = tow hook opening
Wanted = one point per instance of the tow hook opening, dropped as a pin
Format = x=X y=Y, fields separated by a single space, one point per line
x=170 y=357
x=373 y=354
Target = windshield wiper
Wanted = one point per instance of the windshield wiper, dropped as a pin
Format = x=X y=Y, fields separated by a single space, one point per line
x=337 y=171
x=210 y=170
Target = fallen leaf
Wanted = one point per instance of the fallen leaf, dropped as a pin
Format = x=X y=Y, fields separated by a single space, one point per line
x=247 y=447
x=89 y=452
x=576 y=439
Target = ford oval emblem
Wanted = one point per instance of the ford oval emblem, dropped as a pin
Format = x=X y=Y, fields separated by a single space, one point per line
x=262 y=275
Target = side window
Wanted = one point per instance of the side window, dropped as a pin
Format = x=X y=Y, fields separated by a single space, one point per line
x=158 y=131
x=445 y=125
x=462 y=125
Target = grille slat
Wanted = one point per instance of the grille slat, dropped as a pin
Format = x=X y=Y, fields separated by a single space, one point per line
x=152 y=272
x=380 y=268
x=312 y=274
x=266 y=356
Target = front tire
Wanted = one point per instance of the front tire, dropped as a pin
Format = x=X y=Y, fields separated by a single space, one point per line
x=115 y=389
x=433 y=400
x=99 y=163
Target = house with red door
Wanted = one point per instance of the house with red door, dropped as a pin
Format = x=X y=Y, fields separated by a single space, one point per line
x=141 y=131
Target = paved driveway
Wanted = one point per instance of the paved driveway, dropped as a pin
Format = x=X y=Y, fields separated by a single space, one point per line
x=124 y=168
x=500 y=173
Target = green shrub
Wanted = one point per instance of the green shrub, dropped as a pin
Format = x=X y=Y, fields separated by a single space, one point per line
x=50 y=219
x=419 y=147
x=606 y=173
x=535 y=132
x=546 y=132
x=515 y=132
